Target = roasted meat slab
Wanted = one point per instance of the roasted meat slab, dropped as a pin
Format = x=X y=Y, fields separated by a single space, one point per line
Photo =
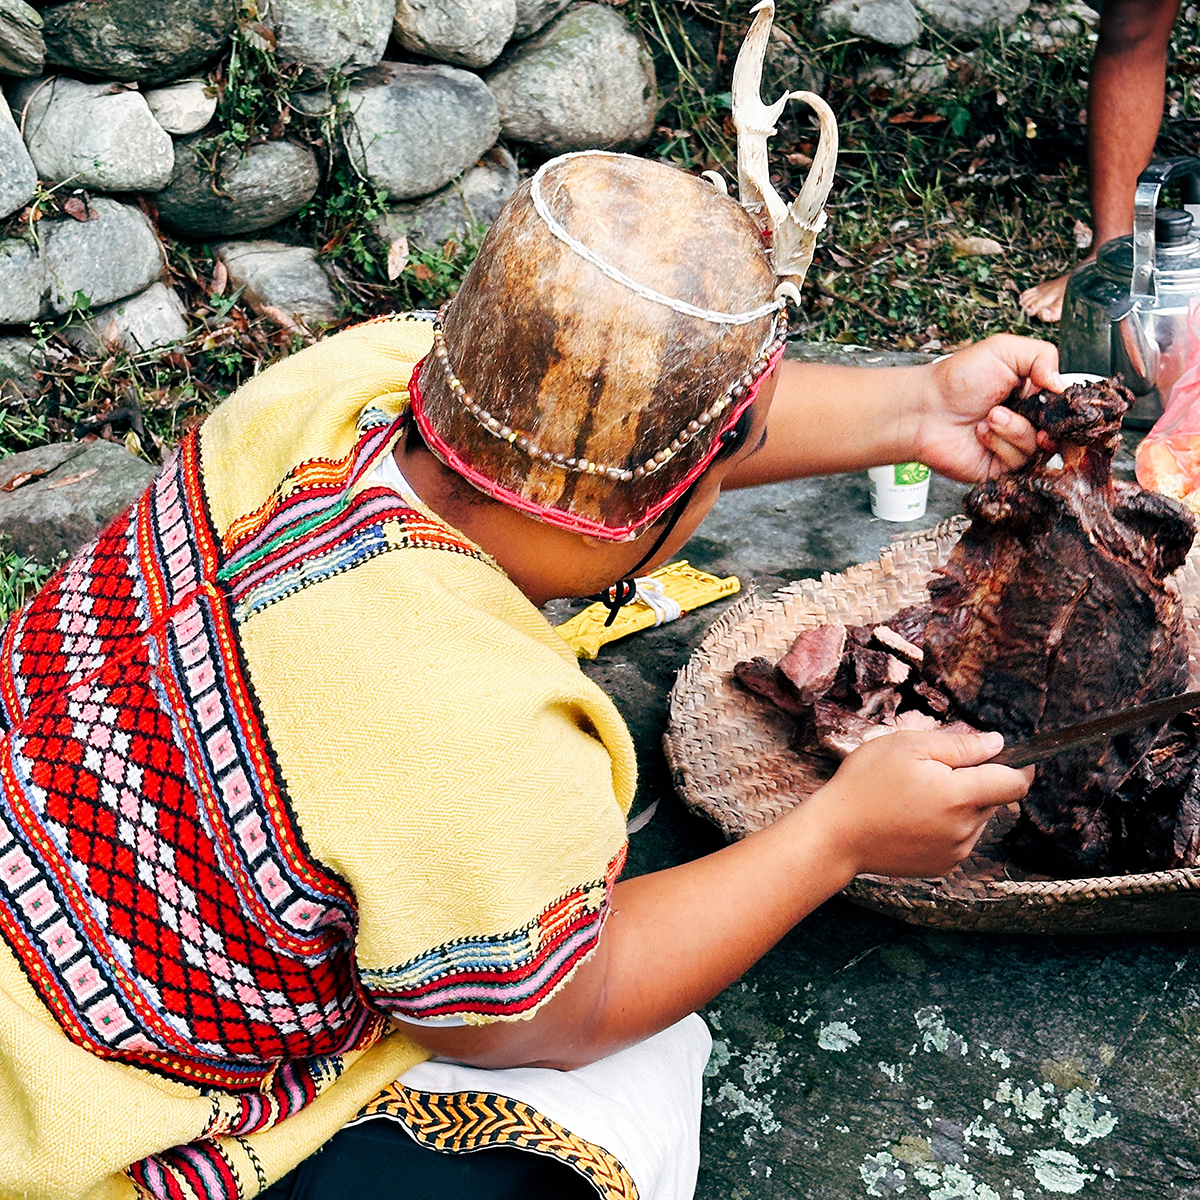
x=1055 y=604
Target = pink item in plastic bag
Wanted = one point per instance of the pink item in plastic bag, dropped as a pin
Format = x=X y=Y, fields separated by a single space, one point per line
x=1168 y=460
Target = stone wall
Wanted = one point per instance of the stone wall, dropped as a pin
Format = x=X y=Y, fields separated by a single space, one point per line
x=110 y=132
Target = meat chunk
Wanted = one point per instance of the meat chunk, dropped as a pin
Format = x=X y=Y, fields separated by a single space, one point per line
x=764 y=678
x=811 y=665
x=889 y=639
x=1055 y=604
x=840 y=732
x=874 y=669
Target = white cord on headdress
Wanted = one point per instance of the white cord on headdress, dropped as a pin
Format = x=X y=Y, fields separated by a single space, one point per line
x=639 y=289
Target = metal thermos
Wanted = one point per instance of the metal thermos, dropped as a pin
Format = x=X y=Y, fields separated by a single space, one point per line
x=1126 y=312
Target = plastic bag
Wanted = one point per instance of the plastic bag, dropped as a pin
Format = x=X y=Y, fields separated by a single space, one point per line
x=1168 y=460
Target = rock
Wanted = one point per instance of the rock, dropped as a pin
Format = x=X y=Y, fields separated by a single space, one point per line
x=323 y=36
x=107 y=258
x=888 y=22
x=412 y=129
x=319 y=102
x=103 y=259
x=286 y=279
x=131 y=39
x=19 y=359
x=927 y=71
x=533 y=14
x=585 y=81
x=1084 y=13
x=86 y=484
x=18 y=176
x=971 y=19
x=148 y=321
x=22 y=47
x=24 y=282
x=184 y=107
x=267 y=183
x=457 y=211
x=470 y=33
x=97 y=135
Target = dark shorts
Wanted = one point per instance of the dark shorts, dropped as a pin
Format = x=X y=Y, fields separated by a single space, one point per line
x=377 y=1160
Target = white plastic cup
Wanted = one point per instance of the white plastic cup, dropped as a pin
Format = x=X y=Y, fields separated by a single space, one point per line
x=899 y=492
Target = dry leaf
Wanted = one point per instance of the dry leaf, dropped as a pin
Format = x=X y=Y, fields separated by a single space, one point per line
x=421 y=271
x=397 y=258
x=23 y=478
x=68 y=479
x=110 y=336
x=1083 y=235
x=800 y=160
x=285 y=321
x=77 y=207
x=909 y=117
x=219 y=279
x=259 y=36
x=975 y=247
x=841 y=260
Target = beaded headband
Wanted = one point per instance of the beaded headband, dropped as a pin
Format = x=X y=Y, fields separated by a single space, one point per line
x=524 y=441
x=578 y=522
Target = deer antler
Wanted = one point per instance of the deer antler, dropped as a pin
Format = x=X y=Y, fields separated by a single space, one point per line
x=793 y=228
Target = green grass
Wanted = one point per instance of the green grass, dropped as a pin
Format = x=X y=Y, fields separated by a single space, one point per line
x=998 y=153
x=20 y=578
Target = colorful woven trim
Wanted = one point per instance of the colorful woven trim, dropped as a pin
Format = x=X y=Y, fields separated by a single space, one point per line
x=460 y=1122
x=315 y=527
x=556 y=516
x=198 y=1171
x=505 y=975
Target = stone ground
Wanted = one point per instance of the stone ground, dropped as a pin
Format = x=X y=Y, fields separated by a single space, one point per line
x=865 y=1057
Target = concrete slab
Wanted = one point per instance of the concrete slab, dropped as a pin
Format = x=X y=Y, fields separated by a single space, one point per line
x=864 y=1057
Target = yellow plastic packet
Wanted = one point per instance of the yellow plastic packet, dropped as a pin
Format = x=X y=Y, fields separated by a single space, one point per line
x=663 y=595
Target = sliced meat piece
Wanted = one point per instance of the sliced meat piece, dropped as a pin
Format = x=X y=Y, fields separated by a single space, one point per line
x=915 y=720
x=812 y=663
x=889 y=639
x=875 y=669
x=880 y=705
x=840 y=731
x=763 y=678
x=936 y=701
x=910 y=623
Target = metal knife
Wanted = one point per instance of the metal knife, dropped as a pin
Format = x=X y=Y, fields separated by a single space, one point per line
x=1095 y=729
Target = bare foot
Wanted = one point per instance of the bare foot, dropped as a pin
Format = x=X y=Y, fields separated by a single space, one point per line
x=1044 y=301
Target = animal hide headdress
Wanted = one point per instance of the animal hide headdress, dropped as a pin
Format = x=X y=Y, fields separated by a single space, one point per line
x=620 y=317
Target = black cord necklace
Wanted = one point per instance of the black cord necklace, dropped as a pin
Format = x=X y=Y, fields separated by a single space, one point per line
x=624 y=591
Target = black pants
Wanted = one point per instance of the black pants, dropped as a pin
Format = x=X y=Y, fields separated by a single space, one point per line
x=379 y=1161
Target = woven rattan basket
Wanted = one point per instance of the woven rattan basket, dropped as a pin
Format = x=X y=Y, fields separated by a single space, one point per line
x=730 y=760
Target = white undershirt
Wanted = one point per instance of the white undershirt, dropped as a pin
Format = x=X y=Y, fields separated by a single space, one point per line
x=387 y=472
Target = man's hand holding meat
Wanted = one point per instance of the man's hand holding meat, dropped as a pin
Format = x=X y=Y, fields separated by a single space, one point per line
x=914 y=804
x=949 y=415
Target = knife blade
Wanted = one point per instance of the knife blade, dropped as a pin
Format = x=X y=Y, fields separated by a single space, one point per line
x=1094 y=729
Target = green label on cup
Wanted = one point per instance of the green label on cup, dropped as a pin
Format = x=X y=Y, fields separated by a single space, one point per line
x=910 y=472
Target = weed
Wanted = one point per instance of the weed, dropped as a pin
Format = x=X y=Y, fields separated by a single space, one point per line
x=251 y=87
x=20 y=578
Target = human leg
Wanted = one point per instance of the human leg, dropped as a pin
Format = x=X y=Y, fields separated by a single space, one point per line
x=378 y=1160
x=1125 y=103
